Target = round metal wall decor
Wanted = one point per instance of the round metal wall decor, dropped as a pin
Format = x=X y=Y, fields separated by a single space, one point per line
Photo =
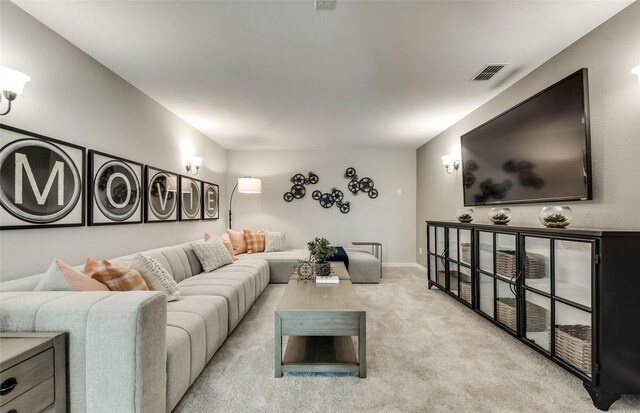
x=356 y=185
x=162 y=197
x=298 y=190
x=329 y=199
x=116 y=190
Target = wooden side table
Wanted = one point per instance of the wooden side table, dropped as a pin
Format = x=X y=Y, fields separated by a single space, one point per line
x=33 y=372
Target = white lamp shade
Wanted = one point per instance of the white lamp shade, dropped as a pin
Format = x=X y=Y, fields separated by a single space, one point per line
x=12 y=81
x=196 y=162
x=446 y=160
x=249 y=185
x=636 y=71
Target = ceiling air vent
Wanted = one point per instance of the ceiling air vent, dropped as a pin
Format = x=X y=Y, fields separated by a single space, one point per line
x=489 y=71
x=324 y=4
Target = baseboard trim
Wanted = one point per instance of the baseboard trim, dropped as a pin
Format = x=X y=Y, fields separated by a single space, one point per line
x=404 y=264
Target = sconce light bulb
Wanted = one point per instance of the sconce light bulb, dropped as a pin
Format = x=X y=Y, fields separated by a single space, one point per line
x=636 y=71
x=446 y=160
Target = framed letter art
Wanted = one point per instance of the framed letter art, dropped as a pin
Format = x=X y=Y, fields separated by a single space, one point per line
x=190 y=199
x=115 y=190
x=41 y=181
x=210 y=201
x=161 y=195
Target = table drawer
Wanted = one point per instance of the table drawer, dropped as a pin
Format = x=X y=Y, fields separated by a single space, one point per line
x=34 y=400
x=321 y=324
x=25 y=376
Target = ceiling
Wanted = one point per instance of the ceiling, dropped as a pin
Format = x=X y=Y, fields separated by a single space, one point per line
x=279 y=75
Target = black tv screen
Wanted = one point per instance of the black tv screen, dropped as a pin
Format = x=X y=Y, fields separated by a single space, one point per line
x=537 y=151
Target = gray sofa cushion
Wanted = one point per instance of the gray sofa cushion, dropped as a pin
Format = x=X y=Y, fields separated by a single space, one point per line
x=178 y=365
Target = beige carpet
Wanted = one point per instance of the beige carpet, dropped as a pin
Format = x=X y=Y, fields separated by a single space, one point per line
x=426 y=353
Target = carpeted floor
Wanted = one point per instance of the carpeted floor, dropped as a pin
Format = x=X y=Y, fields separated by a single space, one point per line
x=426 y=353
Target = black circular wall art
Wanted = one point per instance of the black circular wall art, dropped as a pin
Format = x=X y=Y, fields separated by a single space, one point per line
x=356 y=185
x=162 y=195
x=298 y=190
x=48 y=185
x=116 y=190
x=329 y=199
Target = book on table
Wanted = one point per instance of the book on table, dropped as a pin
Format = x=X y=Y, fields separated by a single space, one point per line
x=329 y=279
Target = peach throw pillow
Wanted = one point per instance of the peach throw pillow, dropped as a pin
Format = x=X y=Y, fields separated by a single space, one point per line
x=63 y=277
x=226 y=241
x=255 y=241
x=116 y=278
x=238 y=242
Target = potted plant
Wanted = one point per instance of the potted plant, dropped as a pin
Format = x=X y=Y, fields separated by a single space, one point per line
x=320 y=251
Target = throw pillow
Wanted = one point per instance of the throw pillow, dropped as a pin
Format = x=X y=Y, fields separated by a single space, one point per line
x=238 y=242
x=63 y=277
x=155 y=275
x=225 y=240
x=212 y=254
x=116 y=278
x=273 y=241
x=254 y=240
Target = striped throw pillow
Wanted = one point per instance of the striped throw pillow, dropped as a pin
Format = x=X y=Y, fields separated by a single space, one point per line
x=255 y=241
x=114 y=277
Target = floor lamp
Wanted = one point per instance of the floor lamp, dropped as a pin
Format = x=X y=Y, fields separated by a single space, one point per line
x=246 y=185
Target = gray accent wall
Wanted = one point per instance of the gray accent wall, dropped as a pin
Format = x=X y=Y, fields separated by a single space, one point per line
x=74 y=98
x=609 y=52
x=388 y=219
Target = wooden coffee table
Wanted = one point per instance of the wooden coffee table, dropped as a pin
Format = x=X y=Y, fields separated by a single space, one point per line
x=320 y=320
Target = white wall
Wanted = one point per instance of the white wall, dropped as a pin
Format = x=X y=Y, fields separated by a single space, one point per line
x=609 y=52
x=74 y=98
x=388 y=219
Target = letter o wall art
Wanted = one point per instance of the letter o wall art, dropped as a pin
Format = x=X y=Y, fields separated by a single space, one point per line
x=41 y=181
x=115 y=190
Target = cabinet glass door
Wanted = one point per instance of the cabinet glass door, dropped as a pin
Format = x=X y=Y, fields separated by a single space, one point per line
x=537 y=263
x=453 y=244
x=537 y=319
x=440 y=241
x=486 y=294
x=573 y=337
x=465 y=283
x=432 y=239
x=464 y=238
x=485 y=245
x=506 y=256
x=440 y=272
x=573 y=271
x=432 y=268
x=453 y=277
x=506 y=305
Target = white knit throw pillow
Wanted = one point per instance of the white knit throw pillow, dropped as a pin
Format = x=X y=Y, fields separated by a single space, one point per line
x=212 y=254
x=274 y=241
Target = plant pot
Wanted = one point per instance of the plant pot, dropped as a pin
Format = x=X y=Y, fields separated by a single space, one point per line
x=322 y=269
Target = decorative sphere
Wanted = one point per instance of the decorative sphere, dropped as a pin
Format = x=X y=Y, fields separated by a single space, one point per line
x=500 y=216
x=465 y=215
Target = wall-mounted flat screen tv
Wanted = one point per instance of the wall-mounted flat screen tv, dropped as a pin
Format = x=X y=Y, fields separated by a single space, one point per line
x=537 y=151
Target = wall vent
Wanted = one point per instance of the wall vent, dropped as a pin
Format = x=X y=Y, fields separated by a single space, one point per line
x=489 y=71
x=324 y=4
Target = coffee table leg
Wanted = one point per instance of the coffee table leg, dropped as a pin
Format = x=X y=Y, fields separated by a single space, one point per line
x=362 y=346
x=278 y=346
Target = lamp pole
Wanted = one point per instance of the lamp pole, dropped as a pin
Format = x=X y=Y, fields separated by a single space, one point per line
x=231 y=201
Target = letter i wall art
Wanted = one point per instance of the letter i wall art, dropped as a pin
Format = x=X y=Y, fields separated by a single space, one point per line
x=42 y=184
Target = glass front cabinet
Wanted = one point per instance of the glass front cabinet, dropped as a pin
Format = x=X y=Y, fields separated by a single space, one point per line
x=572 y=295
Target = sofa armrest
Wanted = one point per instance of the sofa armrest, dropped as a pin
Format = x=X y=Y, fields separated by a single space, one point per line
x=116 y=344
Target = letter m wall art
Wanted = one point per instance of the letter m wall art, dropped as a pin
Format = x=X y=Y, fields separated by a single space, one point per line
x=42 y=181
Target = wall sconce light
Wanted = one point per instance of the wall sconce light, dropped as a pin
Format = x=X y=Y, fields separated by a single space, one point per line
x=246 y=185
x=193 y=165
x=12 y=84
x=636 y=71
x=449 y=163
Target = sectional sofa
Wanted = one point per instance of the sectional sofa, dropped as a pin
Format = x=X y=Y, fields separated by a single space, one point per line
x=136 y=352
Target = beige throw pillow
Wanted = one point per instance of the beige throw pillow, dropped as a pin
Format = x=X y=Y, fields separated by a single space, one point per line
x=212 y=254
x=155 y=275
